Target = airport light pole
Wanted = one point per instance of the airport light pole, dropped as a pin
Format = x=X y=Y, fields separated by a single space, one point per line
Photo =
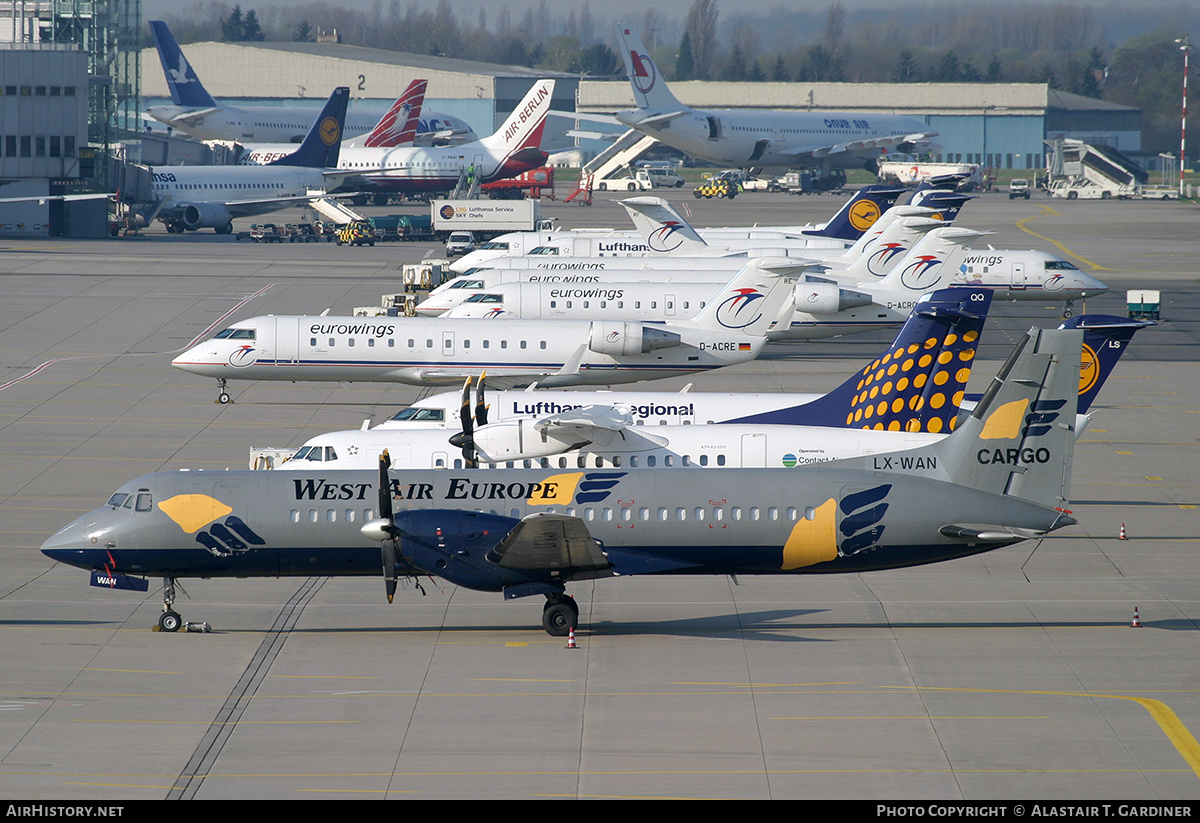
x=1185 y=46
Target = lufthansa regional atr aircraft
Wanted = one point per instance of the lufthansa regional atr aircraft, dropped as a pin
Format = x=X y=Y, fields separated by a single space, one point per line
x=194 y=112
x=1002 y=477
x=755 y=138
x=909 y=396
x=433 y=351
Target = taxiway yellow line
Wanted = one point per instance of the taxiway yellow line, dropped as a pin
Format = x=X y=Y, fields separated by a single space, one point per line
x=1047 y=210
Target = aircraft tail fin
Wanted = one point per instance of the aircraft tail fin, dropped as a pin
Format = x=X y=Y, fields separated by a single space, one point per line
x=932 y=261
x=663 y=228
x=323 y=142
x=917 y=384
x=399 y=126
x=521 y=134
x=751 y=301
x=1105 y=338
x=186 y=88
x=947 y=204
x=881 y=251
x=1020 y=439
x=859 y=213
x=649 y=88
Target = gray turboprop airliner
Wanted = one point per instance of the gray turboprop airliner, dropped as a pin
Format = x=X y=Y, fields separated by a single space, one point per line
x=1002 y=477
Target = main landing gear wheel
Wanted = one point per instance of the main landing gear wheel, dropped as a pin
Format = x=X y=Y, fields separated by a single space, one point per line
x=170 y=620
x=560 y=615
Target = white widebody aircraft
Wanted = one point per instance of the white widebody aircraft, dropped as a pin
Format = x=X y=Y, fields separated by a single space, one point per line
x=755 y=137
x=194 y=112
x=187 y=198
x=433 y=351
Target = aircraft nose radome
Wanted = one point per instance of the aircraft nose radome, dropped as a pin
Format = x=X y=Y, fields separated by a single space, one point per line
x=69 y=545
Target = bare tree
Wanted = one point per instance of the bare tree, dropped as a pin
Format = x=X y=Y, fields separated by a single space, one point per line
x=701 y=26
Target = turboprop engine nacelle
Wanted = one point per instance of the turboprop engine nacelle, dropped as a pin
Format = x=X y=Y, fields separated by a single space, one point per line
x=518 y=440
x=205 y=216
x=826 y=298
x=617 y=338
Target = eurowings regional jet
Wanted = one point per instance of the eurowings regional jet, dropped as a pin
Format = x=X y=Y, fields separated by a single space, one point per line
x=195 y=113
x=757 y=138
x=1002 y=477
x=1014 y=275
x=435 y=351
x=187 y=198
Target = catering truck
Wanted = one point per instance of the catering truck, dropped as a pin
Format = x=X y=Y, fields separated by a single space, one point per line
x=486 y=219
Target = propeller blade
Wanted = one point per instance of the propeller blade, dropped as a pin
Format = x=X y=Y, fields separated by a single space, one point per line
x=387 y=546
x=481 y=408
x=468 y=426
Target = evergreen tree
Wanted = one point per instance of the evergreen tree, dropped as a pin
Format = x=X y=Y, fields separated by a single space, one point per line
x=735 y=69
x=780 y=73
x=251 y=31
x=684 y=67
x=233 y=27
x=303 y=32
x=905 y=70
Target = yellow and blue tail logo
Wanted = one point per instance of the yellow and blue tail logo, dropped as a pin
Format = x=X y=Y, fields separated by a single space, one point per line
x=917 y=384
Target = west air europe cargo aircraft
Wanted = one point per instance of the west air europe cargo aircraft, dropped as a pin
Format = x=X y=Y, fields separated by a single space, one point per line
x=754 y=137
x=433 y=351
x=194 y=112
x=1002 y=477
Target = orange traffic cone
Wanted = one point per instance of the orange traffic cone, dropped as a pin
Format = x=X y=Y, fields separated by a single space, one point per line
x=571 y=644
x=1121 y=534
x=1137 y=620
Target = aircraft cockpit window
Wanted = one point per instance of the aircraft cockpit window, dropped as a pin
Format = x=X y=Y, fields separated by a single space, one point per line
x=540 y=250
x=330 y=454
x=1060 y=265
x=467 y=284
x=145 y=501
x=235 y=334
x=117 y=500
x=495 y=245
x=421 y=415
x=303 y=453
x=484 y=297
